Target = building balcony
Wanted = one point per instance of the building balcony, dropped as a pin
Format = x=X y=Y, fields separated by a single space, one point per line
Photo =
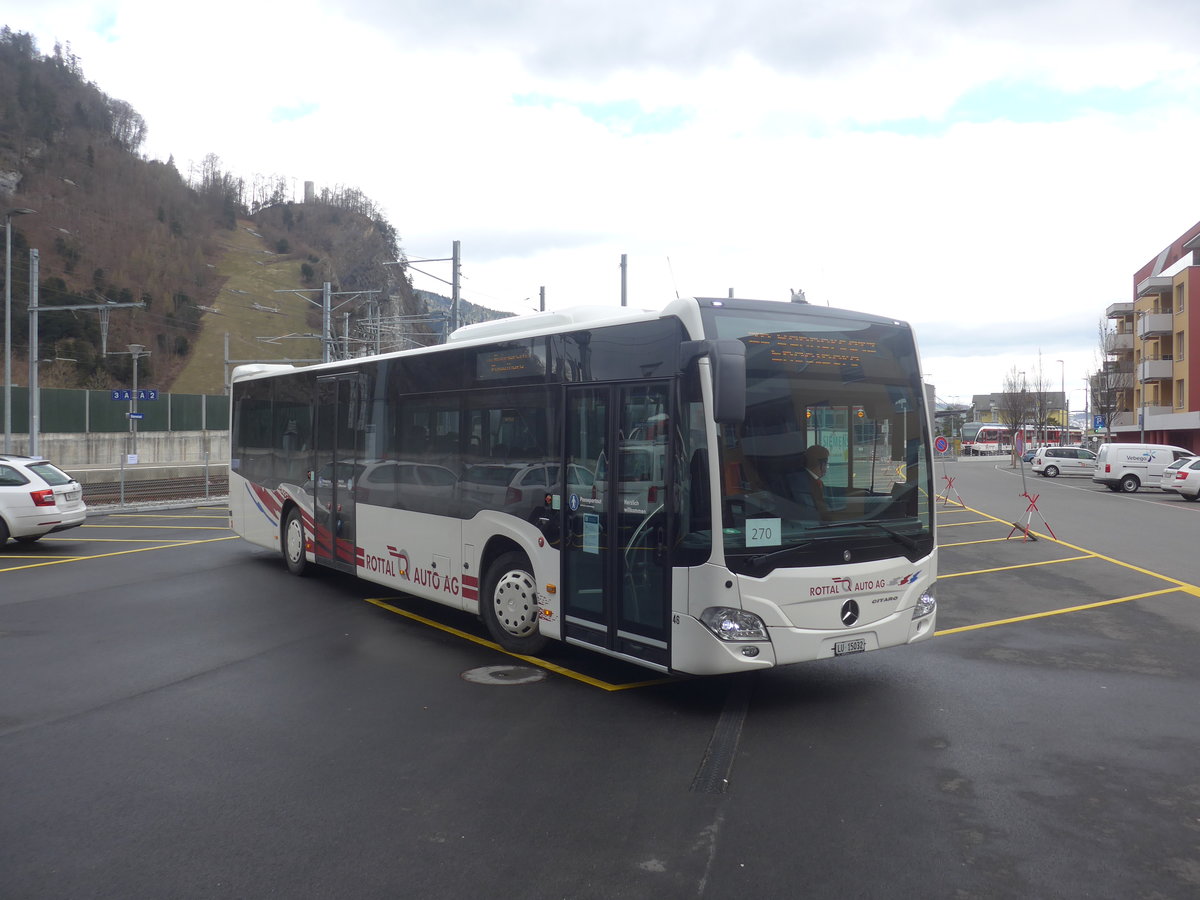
x=1151 y=324
x=1155 y=370
x=1119 y=310
x=1155 y=285
x=1118 y=342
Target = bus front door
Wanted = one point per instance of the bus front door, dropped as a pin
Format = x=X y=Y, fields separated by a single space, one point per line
x=336 y=471
x=615 y=563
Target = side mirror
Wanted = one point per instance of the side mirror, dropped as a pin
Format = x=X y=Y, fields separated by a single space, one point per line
x=728 y=359
x=729 y=382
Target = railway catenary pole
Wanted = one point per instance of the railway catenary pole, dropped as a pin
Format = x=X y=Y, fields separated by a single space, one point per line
x=455 y=259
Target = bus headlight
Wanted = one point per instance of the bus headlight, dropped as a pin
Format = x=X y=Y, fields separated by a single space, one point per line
x=734 y=624
x=926 y=604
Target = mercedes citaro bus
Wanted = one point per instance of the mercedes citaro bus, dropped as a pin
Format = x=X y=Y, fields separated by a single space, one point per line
x=634 y=482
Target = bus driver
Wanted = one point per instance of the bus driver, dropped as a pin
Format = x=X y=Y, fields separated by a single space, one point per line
x=816 y=464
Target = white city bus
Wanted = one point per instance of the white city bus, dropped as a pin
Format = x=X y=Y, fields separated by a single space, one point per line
x=628 y=481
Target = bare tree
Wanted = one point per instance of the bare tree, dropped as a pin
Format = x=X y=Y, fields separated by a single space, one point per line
x=1039 y=401
x=1111 y=386
x=1015 y=407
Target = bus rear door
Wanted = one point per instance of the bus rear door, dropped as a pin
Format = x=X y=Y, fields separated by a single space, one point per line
x=337 y=470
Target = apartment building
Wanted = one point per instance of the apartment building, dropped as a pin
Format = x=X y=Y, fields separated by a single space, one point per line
x=1153 y=363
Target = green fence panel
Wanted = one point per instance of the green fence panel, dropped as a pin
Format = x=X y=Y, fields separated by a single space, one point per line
x=156 y=414
x=216 y=411
x=187 y=412
x=62 y=410
x=71 y=410
x=20 y=408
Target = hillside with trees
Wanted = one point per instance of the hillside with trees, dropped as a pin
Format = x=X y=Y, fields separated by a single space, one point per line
x=112 y=226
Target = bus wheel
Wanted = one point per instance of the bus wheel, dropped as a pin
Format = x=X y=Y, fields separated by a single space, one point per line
x=1130 y=484
x=509 y=607
x=293 y=542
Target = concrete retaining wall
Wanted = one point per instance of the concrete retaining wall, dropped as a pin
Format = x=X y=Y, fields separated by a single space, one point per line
x=158 y=448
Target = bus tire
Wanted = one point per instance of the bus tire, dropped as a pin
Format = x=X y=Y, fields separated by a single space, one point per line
x=293 y=542
x=1130 y=484
x=509 y=607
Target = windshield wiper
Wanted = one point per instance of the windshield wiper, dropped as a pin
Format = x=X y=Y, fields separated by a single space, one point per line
x=763 y=558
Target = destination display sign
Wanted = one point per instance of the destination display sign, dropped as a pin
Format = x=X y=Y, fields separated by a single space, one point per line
x=789 y=348
x=491 y=365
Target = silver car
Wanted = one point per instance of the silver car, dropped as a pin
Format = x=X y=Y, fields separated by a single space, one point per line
x=1050 y=462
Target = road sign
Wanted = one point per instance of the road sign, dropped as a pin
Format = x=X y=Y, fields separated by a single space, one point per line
x=127 y=394
x=940 y=444
x=1097 y=423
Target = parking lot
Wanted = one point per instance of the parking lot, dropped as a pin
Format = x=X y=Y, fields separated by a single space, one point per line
x=180 y=717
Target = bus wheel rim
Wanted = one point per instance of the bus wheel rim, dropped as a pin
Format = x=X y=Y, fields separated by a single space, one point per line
x=295 y=539
x=515 y=603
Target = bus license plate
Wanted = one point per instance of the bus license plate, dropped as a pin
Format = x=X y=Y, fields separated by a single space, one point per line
x=857 y=645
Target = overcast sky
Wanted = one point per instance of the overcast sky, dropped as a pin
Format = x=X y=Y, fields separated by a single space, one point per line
x=993 y=172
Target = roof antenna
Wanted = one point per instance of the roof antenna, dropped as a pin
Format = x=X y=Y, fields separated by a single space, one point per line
x=671 y=269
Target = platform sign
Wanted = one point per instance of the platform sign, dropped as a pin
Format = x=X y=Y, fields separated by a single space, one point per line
x=126 y=394
x=136 y=415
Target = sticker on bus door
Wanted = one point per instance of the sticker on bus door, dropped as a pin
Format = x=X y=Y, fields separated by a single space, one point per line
x=591 y=533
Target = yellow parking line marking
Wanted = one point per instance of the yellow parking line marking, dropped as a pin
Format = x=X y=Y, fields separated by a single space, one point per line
x=149 y=516
x=973 y=522
x=96 y=540
x=8 y=556
x=1057 y=612
x=532 y=660
x=1029 y=565
x=59 y=562
x=969 y=543
x=163 y=527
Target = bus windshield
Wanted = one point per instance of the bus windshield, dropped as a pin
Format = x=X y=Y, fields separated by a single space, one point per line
x=833 y=455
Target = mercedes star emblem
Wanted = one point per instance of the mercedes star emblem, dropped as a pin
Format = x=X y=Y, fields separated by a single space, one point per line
x=849 y=612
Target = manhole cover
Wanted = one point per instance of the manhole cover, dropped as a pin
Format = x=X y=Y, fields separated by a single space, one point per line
x=503 y=675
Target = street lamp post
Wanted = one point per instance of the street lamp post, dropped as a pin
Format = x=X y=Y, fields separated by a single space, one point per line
x=1066 y=425
x=1139 y=370
x=19 y=211
x=137 y=351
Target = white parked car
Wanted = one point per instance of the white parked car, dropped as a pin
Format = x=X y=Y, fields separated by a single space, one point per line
x=1187 y=479
x=1168 y=476
x=1051 y=462
x=37 y=498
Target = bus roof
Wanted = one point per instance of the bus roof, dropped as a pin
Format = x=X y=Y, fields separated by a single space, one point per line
x=532 y=323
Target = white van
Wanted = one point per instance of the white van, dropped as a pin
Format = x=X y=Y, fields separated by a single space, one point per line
x=1126 y=467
